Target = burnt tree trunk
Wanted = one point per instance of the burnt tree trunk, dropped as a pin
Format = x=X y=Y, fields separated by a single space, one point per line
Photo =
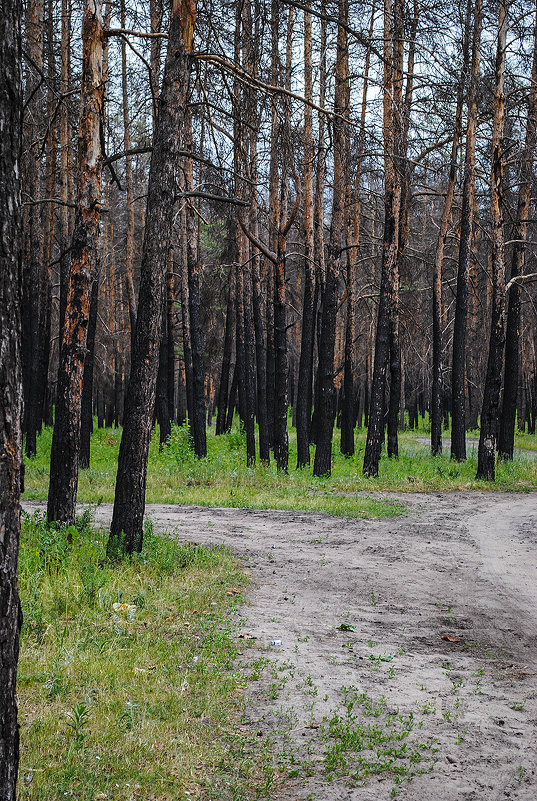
x=260 y=380
x=129 y=244
x=506 y=437
x=305 y=374
x=437 y=383
x=126 y=531
x=32 y=228
x=403 y=170
x=86 y=420
x=323 y=453
x=349 y=405
x=162 y=410
x=10 y=389
x=388 y=282
x=458 y=402
x=223 y=390
x=65 y=453
x=198 y=421
x=171 y=298
x=318 y=236
x=187 y=349
x=486 y=455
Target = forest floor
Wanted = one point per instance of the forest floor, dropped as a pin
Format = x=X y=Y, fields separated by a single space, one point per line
x=404 y=654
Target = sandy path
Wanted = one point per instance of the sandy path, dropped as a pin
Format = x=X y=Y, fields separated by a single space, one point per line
x=463 y=564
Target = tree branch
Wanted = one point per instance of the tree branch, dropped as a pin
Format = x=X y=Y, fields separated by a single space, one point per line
x=139 y=34
x=267 y=253
x=208 y=196
x=519 y=278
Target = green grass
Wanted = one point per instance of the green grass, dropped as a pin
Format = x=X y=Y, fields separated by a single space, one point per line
x=175 y=475
x=128 y=685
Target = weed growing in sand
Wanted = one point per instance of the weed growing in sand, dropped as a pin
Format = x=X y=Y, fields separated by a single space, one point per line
x=364 y=737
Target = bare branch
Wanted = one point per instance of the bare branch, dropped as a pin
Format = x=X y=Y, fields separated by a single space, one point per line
x=208 y=196
x=256 y=83
x=267 y=253
x=139 y=34
x=519 y=278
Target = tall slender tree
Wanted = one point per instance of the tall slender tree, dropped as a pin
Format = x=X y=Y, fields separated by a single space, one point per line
x=520 y=233
x=10 y=388
x=486 y=454
x=458 y=370
x=323 y=454
x=126 y=533
x=348 y=411
x=436 y=379
x=33 y=223
x=389 y=276
x=305 y=375
x=65 y=453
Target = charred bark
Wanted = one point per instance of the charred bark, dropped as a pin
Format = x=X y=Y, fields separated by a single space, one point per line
x=162 y=411
x=305 y=374
x=512 y=338
x=126 y=531
x=486 y=454
x=389 y=276
x=223 y=390
x=86 y=419
x=11 y=466
x=458 y=402
x=323 y=454
x=437 y=383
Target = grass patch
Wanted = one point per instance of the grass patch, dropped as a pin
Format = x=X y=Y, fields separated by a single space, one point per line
x=175 y=475
x=128 y=685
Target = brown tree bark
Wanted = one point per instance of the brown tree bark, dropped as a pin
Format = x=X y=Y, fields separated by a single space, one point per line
x=486 y=454
x=126 y=533
x=10 y=388
x=64 y=459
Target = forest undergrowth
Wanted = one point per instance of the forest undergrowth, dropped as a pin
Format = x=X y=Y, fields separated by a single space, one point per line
x=129 y=683
x=176 y=475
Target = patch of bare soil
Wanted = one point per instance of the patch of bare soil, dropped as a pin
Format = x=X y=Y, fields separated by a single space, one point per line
x=407 y=664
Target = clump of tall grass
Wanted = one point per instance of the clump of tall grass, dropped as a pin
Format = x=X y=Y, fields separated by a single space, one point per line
x=128 y=685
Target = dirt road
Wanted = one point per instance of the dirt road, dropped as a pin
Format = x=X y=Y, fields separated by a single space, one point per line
x=429 y=620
